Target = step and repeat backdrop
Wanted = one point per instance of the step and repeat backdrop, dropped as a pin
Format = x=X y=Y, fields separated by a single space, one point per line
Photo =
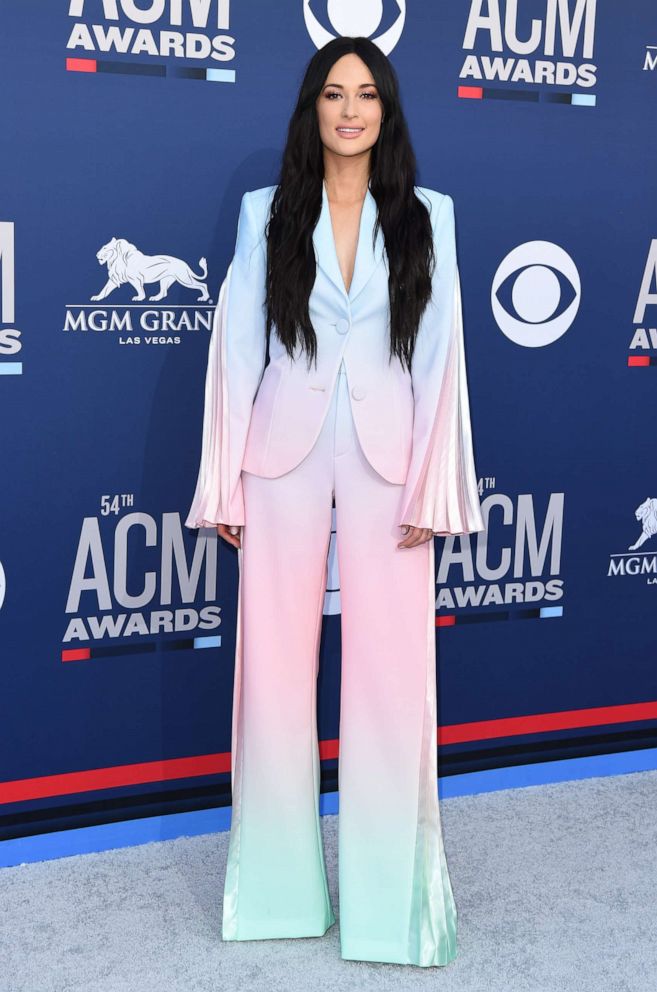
x=130 y=130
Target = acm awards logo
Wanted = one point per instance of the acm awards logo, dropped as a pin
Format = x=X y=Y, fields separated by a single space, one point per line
x=517 y=566
x=135 y=322
x=644 y=338
x=131 y=577
x=10 y=335
x=511 y=46
x=176 y=29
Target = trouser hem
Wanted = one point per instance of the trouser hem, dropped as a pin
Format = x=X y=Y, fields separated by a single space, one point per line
x=282 y=929
x=386 y=953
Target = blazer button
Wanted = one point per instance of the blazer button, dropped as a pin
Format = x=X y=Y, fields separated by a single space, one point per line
x=358 y=393
x=342 y=325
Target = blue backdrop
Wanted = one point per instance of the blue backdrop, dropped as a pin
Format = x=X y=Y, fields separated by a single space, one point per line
x=146 y=121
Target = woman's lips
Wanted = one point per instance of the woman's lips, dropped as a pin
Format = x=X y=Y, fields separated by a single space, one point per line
x=350 y=132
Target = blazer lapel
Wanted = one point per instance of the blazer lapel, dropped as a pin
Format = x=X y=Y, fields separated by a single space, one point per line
x=367 y=258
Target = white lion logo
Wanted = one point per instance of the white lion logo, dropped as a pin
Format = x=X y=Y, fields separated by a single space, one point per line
x=125 y=263
x=647 y=514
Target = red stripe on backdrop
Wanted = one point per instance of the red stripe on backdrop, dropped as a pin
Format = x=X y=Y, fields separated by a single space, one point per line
x=69 y=783
x=470 y=92
x=76 y=654
x=113 y=777
x=81 y=65
x=638 y=360
x=456 y=733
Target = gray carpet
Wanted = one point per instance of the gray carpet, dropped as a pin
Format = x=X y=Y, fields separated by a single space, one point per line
x=555 y=885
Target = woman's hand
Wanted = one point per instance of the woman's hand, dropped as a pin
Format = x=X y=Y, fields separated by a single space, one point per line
x=231 y=534
x=414 y=536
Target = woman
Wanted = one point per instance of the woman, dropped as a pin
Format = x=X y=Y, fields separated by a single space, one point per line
x=364 y=401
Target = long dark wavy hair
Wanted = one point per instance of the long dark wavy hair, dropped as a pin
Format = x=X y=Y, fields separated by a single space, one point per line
x=297 y=203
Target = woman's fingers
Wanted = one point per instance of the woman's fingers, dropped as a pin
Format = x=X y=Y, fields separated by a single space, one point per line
x=414 y=536
x=230 y=534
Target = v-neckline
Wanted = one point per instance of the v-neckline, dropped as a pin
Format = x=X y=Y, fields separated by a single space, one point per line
x=358 y=237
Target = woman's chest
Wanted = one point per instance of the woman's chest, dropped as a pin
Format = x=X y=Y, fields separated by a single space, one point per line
x=345 y=228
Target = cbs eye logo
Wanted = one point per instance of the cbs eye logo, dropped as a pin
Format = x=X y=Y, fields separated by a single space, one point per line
x=382 y=23
x=535 y=294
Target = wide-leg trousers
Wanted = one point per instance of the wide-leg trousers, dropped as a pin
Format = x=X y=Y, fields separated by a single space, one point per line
x=395 y=898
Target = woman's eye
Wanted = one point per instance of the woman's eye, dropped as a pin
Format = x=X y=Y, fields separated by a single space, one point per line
x=370 y=96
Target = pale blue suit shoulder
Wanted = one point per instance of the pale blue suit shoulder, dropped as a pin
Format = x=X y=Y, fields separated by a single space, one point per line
x=261 y=202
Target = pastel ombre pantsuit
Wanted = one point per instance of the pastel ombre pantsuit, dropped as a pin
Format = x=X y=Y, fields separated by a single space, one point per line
x=280 y=443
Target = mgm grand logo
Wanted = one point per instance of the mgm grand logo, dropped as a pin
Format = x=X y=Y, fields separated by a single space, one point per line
x=636 y=561
x=139 y=322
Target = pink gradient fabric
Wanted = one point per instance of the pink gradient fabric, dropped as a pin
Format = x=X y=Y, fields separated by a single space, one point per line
x=395 y=898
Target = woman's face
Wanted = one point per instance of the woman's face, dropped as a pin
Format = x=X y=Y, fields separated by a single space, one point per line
x=349 y=109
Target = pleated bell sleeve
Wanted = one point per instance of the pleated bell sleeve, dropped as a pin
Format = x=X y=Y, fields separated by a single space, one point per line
x=236 y=361
x=441 y=486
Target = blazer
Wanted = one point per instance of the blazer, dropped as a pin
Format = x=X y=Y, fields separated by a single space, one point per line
x=414 y=427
